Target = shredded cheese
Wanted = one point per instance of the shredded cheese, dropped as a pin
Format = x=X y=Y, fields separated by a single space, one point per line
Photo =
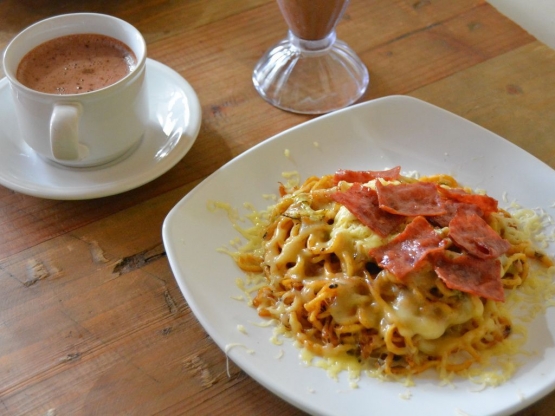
x=497 y=364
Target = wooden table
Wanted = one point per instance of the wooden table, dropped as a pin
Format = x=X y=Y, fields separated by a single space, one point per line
x=91 y=319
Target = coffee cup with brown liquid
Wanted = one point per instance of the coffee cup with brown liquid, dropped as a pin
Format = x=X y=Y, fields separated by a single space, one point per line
x=78 y=86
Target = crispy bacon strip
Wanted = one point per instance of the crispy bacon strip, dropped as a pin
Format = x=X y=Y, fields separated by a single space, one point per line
x=473 y=234
x=477 y=270
x=362 y=202
x=407 y=251
x=481 y=277
x=410 y=199
x=451 y=208
x=486 y=203
x=364 y=176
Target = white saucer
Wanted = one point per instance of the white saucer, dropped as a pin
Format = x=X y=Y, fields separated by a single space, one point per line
x=172 y=128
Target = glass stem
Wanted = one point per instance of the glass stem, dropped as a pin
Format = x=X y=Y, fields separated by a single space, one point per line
x=313 y=46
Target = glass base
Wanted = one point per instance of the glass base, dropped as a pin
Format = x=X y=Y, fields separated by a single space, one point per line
x=310 y=77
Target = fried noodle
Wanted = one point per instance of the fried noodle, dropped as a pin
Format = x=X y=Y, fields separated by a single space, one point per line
x=326 y=290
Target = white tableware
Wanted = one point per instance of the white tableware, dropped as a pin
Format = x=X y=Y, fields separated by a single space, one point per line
x=83 y=129
x=172 y=125
x=374 y=135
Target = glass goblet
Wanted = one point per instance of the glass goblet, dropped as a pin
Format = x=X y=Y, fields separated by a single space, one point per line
x=311 y=71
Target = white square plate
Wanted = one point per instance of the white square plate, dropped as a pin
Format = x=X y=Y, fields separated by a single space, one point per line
x=383 y=133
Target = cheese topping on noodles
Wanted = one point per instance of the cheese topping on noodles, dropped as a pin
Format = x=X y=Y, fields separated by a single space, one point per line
x=319 y=266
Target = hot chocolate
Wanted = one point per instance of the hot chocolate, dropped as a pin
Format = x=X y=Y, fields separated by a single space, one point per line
x=75 y=64
x=311 y=19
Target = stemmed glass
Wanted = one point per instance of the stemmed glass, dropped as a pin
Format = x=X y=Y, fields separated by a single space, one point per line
x=311 y=71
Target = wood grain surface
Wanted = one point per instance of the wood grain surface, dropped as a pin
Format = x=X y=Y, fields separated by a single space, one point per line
x=91 y=319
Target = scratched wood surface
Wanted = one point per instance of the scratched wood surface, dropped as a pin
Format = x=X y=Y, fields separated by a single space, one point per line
x=91 y=319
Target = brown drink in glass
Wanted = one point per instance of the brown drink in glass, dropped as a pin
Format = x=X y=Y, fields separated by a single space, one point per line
x=311 y=72
x=311 y=19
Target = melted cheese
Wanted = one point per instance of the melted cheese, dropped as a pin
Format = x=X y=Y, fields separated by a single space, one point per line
x=309 y=229
x=348 y=227
x=354 y=303
x=430 y=320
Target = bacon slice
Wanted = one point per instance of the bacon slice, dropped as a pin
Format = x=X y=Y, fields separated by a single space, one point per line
x=362 y=202
x=472 y=233
x=364 y=176
x=481 y=277
x=476 y=271
x=407 y=251
x=486 y=203
x=451 y=208
x=410 y=199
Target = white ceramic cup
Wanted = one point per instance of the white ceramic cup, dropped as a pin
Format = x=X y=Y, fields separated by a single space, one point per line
x=84 y=129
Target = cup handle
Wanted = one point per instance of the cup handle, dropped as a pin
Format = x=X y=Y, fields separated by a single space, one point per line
x=64 y=131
